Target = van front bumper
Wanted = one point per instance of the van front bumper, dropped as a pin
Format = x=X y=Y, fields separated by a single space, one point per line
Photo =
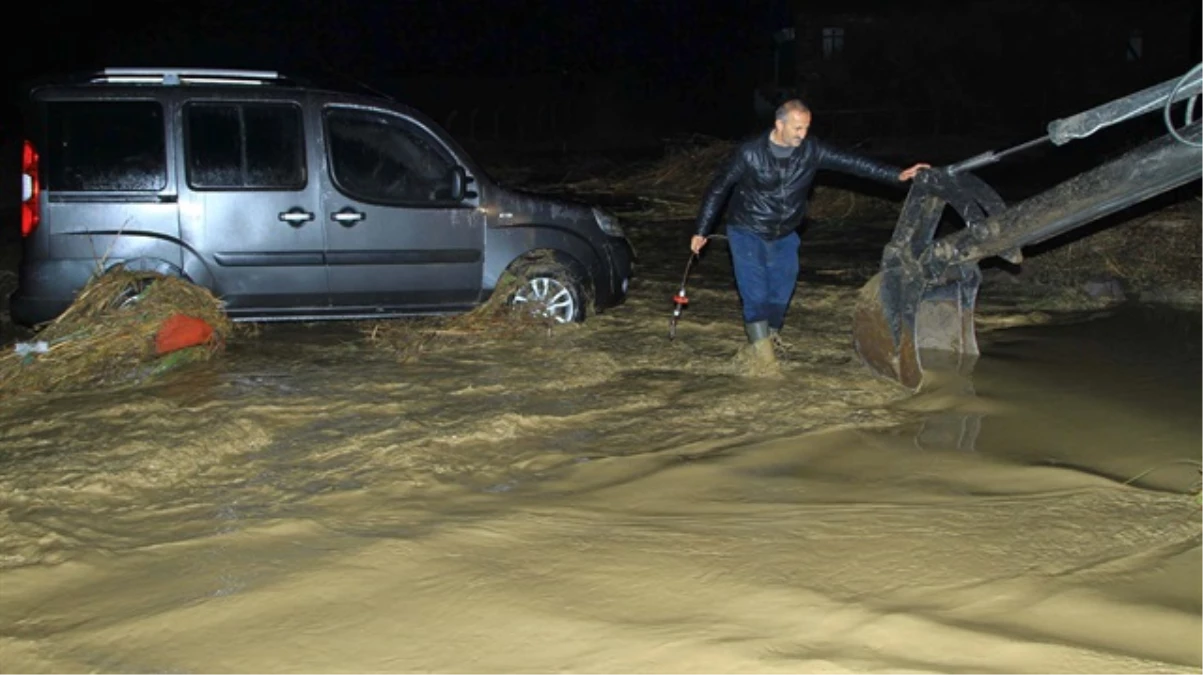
x=620 y=257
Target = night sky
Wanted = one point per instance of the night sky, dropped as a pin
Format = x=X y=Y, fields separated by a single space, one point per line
x=664 y=43
x=693 y=54
x=664 y=37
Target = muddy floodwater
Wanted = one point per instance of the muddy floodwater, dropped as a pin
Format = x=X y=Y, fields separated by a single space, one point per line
x=599 y=498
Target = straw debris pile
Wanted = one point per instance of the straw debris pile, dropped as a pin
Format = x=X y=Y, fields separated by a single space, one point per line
x=495 y=319
x=107 y=336
x=672 y=187
x=1158 y=250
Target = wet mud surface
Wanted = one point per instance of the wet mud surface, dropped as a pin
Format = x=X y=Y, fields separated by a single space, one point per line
x=600 y=498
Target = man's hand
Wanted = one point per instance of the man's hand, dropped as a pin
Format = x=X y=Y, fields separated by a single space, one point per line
x=908 y=174
x=697 y=243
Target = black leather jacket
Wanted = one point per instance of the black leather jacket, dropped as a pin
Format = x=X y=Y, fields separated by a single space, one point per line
x=770 y=200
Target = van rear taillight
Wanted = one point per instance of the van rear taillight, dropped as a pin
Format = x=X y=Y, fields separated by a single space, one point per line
x=31 y=190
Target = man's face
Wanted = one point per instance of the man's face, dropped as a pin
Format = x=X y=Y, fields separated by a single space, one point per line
x=793 y=128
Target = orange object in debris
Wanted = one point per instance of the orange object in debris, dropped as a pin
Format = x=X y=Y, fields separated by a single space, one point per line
x=181 y=331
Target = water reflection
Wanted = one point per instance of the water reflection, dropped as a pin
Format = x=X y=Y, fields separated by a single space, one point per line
x=1115 y=393
x=949 y=431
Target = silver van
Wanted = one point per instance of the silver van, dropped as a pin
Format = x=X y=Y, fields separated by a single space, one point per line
x=288 y=202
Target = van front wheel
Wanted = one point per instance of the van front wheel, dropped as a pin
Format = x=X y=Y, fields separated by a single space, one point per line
x=549 y=291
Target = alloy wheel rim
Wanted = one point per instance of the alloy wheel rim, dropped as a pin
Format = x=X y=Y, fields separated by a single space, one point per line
x=547 y=298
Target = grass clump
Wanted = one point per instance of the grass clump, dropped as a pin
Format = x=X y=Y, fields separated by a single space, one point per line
x=107 y=335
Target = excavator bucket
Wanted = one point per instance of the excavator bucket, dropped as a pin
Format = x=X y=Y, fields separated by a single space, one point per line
x=898 y=337
x=917 y=311
x=906 y=315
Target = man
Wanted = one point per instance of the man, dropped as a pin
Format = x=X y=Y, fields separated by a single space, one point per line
x=771 y=176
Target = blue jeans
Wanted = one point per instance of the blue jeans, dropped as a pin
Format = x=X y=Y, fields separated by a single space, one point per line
x=765 y=274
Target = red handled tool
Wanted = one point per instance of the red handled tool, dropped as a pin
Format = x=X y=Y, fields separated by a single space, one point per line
x=680 y=300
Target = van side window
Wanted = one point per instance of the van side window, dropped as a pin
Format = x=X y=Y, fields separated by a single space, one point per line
x=245 y=146
x=106 y=146
x=385 y=159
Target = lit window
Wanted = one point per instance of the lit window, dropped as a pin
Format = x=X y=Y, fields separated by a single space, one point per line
x=1136 y=46
x=833 y=42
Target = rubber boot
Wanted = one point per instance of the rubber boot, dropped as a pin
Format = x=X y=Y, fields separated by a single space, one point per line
x=757 y=331
x=760 y=357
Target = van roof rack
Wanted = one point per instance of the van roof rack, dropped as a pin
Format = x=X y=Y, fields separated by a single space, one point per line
x=180 y=76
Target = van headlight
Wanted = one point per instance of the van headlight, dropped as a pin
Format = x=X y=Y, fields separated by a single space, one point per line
x=608 y=223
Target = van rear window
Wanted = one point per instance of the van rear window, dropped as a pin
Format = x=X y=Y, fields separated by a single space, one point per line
x=106 y=146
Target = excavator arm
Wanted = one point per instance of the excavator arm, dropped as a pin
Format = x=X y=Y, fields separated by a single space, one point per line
x=919 y=307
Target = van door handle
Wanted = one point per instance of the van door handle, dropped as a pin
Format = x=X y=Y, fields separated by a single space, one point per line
x=296 y=216
x=347 y=216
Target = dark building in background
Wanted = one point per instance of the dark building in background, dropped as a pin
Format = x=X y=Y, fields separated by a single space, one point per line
x=630 y=74
x=929 y=67
x=1197 y=33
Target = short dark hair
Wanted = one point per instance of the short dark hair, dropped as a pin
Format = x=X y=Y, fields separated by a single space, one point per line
x=792 y=105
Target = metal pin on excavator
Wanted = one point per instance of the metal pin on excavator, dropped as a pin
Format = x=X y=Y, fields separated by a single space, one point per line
x=918 y=309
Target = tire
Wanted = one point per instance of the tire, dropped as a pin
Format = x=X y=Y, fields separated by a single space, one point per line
x=132 y=294
x=551 y=291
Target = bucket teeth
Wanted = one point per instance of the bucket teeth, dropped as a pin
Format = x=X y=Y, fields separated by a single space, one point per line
x=1013 y=256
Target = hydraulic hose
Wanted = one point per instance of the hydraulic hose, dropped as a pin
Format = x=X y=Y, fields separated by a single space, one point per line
x=1195 y=72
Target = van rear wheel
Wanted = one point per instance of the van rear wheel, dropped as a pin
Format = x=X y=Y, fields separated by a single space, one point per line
x=141 y=275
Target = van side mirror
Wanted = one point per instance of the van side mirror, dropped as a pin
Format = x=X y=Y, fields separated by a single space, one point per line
x=459 y=184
